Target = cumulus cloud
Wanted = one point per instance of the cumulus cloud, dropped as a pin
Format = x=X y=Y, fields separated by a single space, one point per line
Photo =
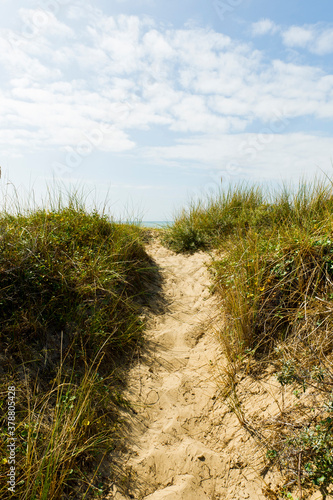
x=296 y=36
x=318 y=39
x=264 y=27
x=324 y=42
x=36 y=22
x=114 y=75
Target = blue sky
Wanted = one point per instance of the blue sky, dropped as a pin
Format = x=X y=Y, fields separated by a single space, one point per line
x=151 y=102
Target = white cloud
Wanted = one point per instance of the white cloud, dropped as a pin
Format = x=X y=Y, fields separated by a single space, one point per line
x=40 y=21
x=316 y=38
x=324 y=43
x=296 y=36
x=264 y=27
x=157 y=47
x=131 y=74
x=267 y=155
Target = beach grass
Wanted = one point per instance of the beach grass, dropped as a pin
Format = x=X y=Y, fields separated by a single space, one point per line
x=72 y=284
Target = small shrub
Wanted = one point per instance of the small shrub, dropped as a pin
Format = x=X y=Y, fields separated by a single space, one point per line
x=185 y=238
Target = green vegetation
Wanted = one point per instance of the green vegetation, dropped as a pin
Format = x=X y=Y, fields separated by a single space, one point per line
x=71 y=285
x=275 y=279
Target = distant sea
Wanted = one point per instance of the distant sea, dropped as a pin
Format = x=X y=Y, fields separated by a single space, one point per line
x=155 y=223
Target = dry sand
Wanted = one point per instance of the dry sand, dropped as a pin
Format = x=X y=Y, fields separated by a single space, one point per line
x=184 y=443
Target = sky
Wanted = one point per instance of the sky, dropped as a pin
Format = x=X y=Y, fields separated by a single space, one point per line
x=147 y=104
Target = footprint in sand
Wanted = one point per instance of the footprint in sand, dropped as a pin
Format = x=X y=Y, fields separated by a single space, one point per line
x=176 y=449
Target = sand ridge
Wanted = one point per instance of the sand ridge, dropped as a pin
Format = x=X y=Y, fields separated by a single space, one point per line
x=185 y=444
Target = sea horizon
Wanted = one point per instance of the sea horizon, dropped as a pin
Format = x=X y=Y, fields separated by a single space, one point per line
x=155 y=224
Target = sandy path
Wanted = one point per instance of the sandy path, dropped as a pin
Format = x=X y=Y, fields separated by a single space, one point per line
x=184 y=444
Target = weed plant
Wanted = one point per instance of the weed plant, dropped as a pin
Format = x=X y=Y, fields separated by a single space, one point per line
x=71 y=285
x=275 y=279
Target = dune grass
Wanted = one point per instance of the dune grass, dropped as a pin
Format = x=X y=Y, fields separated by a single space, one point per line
x=71 y=285
x=206 y=223
x=275 y=279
